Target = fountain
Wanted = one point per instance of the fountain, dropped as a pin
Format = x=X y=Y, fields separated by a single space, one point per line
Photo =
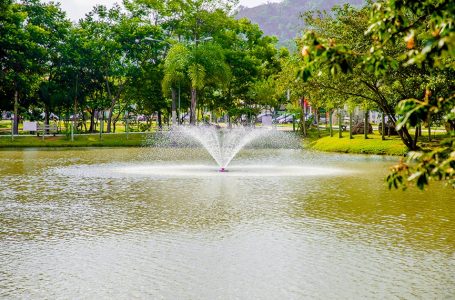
x=182 y=152
x=221 y=143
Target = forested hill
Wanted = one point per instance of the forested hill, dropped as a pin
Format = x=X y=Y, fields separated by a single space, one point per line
x=283 y=19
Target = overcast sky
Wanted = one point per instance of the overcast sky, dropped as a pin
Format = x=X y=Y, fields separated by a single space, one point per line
x=76 y=9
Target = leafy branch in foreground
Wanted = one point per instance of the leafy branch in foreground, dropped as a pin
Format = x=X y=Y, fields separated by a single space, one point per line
x=437 y=163
x=405 y=37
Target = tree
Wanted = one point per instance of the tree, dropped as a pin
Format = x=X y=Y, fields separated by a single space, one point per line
x=52 y=19
x=202 y=65
x=22 y=42
x=351 y=76
x=116 y=59
x=423 y=32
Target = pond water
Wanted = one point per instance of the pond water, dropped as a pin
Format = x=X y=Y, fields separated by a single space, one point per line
x=164 y=224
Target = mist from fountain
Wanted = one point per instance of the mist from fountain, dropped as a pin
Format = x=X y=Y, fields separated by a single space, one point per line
x=223 y=144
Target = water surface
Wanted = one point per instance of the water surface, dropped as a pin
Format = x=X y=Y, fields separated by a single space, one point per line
x=161 y=223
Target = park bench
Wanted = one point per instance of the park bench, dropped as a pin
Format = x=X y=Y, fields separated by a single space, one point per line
x=40 y=128
x=45 y=129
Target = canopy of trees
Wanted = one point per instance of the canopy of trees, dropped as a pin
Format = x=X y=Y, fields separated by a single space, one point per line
x=397 y=56
x=135 y=58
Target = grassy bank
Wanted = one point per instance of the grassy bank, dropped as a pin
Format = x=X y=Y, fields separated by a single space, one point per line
x=107 y=140
x=373 y=145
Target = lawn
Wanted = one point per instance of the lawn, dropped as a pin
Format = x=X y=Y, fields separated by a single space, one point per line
x=373 y=145
x=92 y=140
x=5 y=127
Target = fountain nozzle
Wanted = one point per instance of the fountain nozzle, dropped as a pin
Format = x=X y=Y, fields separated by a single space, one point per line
x=222 y=170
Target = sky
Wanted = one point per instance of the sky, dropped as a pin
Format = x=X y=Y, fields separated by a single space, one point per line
x=76 y=9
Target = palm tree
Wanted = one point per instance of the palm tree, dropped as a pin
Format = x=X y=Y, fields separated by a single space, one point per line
x=174 y=73
x=201 y=65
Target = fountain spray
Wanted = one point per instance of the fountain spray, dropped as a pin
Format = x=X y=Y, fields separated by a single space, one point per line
x=222 y=144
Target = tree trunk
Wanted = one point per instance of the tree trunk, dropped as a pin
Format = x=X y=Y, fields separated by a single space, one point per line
x=74 y=114
x=16 y=117
x=429 y=127
x=330 y=123
x=84 y=121
x=383 y=126
x=168 y=119
x=96 y=116
x=316 y=113
x=109 y=119
x=92 y=120
x=193 y=107
x=340 y=134
x=101 y=124
x=350 y=125
x=46 y=117
x=404 y=134
x=416 y=137
x=113 y=102
x=174 y=112
x=201 y=110
x=365 y=125
x=160 y=124
x=303 y=118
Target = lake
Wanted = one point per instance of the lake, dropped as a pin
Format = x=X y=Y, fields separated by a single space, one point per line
x=163 y=223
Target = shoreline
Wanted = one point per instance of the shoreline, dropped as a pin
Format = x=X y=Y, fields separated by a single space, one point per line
x=374 y=145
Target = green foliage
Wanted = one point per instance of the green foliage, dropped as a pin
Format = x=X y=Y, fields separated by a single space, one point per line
x=421 y=167
x=175 y=66
x=410 y=57
x=130 y=57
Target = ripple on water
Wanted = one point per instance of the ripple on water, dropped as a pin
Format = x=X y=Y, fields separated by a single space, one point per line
x=152 y=171
x=105 y=225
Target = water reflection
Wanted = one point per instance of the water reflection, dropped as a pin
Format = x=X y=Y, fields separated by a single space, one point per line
x=67 y=234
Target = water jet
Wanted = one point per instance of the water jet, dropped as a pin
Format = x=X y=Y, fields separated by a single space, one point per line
x=222 y=144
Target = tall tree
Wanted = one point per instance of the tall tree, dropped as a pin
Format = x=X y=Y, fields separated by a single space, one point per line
x=407 y=38
x=22 y=41
x=202 y=64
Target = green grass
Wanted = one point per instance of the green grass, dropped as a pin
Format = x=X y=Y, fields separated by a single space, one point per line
x=5 y=127
x=373 y=145
x=107 y=140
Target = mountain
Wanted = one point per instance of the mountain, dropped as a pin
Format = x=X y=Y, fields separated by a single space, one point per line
x=283 y=19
